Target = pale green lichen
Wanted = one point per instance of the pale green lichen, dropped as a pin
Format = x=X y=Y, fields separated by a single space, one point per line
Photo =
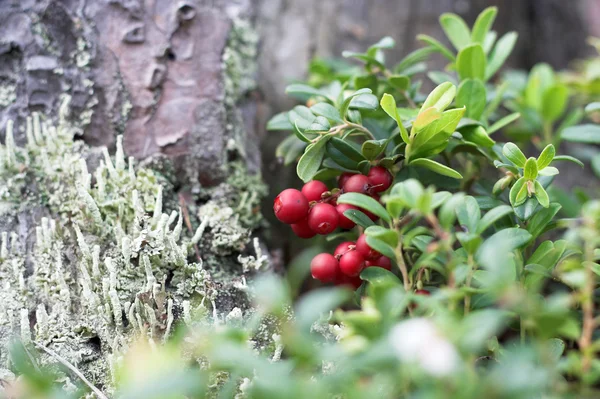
x=8 y=93
x=239 y=58
x=109 y=264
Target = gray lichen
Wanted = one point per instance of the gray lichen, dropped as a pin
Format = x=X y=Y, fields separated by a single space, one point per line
x=110 y=264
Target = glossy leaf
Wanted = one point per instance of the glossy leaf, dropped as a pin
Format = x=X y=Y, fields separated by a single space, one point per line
x=456 y=29
x=483 y=24
x=438 y=46
x=554 y=102
x=328 y=111
x=492 y=216
x=436 y=167
x=441 y=97
x=500 y=53
x=359 y=218
x=541 y=195
x=388 y=104
x=471 y=62
x=587 y=133
x=546 y=157
x=310 y=162
x=502 y=122
x=514 y=154
x=365 y=202
x=472 y=95
x=530 y=171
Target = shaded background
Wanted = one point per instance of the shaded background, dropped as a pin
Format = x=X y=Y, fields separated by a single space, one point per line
x=292 y=32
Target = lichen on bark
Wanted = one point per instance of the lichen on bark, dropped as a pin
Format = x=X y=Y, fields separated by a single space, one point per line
x=91 y=261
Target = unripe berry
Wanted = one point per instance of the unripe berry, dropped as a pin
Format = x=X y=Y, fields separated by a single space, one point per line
x=290 y=206
x=381 y=178
x=365 y=250
x=352 y=263
x=302 y=229
x=357 y=184
x=344 y=222
x=343 y=248
x=313 y=190
x=323 y=218
x=343 y=178
x=324 y=267
x=382 y=261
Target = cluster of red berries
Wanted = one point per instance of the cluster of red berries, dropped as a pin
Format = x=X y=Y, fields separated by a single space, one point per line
x=315 y=210
x=348 y=260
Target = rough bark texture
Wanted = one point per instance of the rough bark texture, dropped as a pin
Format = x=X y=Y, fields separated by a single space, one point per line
x=153 y=70
x=90 y=261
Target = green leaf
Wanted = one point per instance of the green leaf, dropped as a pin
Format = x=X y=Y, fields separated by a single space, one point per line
x=317 y=302
x=381 y=246
x=290 y=149
x=364 y=101
x=530 y=171
x=359 y=218
x=438 y=46
x=556 y=347
x=456 y=29
x=514 y=154
x=328 y=111
x=301 y=116
x=450 y=120
x=515 y=190
x=488 y=42
x=400 y=82
x=500 y=123
x=500 y=53
x=477 y=135
x=371 y=149
x=482 y=25
x=425 y=118
x=546 y=157
x=280 y=122
x=469 y=214
x=346 y=103
x=548 y=171
x=386 y=42
x=495 y=252
x=471 y=62
x=341 y=159
x=595 y=162
x=413 y=58
x=366 y=58
x=592 y=107
x=568 y=158
x=541 y=195
x=347 y=149
x=586 y=133
x=440 y=98
x=388 y=104
x=388 y=236
x=554 y=102
x=379 y=276
x=304 y=89
x=299 y=134
x=542 y=218
x=540 y=79
x=320 y=124
x=472 y=94
x=436 y=167
x=492 y=216
x=365 y=202
x=408 y=191
x=310 y=162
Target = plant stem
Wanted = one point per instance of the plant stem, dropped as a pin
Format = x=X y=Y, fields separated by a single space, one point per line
x=402 y=266
x=587 y=305
x=472 y=267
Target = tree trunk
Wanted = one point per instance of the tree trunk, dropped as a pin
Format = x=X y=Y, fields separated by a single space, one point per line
x=90 y=262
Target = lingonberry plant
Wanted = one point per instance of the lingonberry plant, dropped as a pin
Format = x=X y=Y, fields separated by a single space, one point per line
x=444 y=227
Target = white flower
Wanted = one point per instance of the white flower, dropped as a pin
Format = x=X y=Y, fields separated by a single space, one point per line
x=418 y=341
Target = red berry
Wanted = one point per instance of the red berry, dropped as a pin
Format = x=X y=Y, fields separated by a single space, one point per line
x=323 y=218
x=345 y=223
x=365 y=250
x=290 y=206
x=422 y=292
x=382 y=261
x=302 y=229
x=381 y=178
x=357 y=184
x=343 y=178
x=324 y=267
x=313 y=190
x=343 y=248
x=352 y=263
x=353 y=282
